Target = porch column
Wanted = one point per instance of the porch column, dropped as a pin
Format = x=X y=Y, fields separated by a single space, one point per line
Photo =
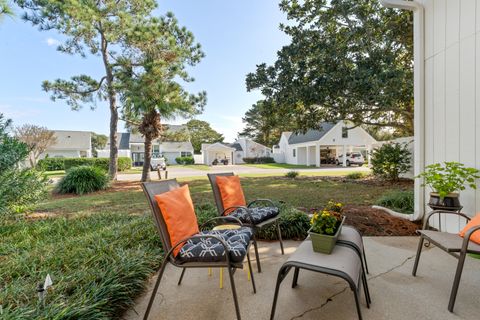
x=231 y=162
x=308 y=155
x=317 y=157
x=369 y=156
x=207 y=160
x=344 y=157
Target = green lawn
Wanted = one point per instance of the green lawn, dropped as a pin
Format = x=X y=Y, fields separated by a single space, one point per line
x=279 y=166
x=55 y=174
x=99 y=249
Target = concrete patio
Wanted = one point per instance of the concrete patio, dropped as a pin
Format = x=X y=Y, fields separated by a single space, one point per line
x=395 y=293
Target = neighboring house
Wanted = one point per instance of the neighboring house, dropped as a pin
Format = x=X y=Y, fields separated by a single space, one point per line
x=316 y=147
x=233 y=152
x=70 y=144
x=132 y=145
x=446 y=93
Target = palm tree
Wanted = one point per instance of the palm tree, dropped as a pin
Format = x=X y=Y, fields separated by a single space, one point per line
x=5 y=9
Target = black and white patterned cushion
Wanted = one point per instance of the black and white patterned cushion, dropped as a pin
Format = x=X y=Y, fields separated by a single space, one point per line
x=211 y=250
x=259 y=214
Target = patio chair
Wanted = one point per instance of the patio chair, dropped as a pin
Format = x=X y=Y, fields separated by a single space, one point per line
x=254 y=217
x=203 y=249
x=452 y=244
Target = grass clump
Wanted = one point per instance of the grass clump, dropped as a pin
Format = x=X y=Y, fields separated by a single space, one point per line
x=401 y=201
x=355 y=175
x=293 y=223
x=292 y=174
x=83 y=179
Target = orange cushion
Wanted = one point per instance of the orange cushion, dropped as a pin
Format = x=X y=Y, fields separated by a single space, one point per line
x=473 y=223
x=231 y=192
x=177 y=210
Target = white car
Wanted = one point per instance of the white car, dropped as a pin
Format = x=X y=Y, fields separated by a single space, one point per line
x=158 y=163
x=352 y=158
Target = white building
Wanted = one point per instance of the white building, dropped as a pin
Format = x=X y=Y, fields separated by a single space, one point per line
x=70 y=144
x=446 y=91
x=315 y=147
x=235 y=152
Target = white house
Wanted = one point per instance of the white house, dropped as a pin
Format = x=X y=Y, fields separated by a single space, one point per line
x=132 y=145
x=315 y=147
x=234 y=152
x=70 y=144
x=446 y=91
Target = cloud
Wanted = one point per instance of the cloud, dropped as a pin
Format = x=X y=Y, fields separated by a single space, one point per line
x=10 y=111
x=52 y=42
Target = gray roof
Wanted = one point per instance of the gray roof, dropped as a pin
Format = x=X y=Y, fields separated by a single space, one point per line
x=138 y=138
x=124 y=140
x=71 y=140
x=176 y=146
x=235 y=145
x=311 y=135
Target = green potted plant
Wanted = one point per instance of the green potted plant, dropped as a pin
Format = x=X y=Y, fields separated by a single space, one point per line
x=446 y=181
x=325 y=227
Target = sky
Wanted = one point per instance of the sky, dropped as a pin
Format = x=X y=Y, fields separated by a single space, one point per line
x=235 y=36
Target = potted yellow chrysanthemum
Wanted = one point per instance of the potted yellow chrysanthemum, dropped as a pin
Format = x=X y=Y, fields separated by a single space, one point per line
x=326 y=226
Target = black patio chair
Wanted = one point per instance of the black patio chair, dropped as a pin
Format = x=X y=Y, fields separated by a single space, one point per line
x=452 y=244
x=230 y=253
x=255 y=217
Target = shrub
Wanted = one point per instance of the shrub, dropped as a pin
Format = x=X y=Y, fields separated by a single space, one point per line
x=401 y=201
x=185 y=160
x=51 y=164
x=83 y=179
x=124 y=163
x=293 y=223
x=259 y=160
x=292 y=174
x=390 y=160
x=355 y=175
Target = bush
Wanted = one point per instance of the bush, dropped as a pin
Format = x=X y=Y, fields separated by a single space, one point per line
x=185 y=160
x=292 y=174
x=401 y=201
x=124 y=163
x=293 y=223
x=355 y=175
x=259 y=160
x=51 y=164
x=83 y=179
x=390 y=160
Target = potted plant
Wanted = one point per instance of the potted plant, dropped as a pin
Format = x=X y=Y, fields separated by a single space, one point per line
x=325 y=227
x=445 y=181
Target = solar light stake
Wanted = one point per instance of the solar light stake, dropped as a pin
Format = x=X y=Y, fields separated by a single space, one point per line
x=41 y=294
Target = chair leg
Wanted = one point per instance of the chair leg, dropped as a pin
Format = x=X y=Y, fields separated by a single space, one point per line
x=282 y=273
x=357 y=303
x=295 y=277
x=155 y=289
x=181 y=276
x=365 y=290
x=456 y=281
x=365 y=259
x=251 y=273
x=255 y=247
x=234 y=292
x=417 y=258
x=279 y=232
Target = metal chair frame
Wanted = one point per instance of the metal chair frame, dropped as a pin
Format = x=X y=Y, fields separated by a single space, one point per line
x=151 y=189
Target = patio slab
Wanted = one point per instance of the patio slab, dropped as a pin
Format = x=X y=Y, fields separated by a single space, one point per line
x=395 y=293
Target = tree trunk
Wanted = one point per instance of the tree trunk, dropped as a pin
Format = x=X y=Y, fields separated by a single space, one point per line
x=112 y=99
x=147 y=158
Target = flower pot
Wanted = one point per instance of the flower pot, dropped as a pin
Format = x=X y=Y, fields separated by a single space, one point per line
x=450 y=202
x=325 y=243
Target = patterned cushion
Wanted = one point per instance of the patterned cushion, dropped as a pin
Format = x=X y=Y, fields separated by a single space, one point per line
x=211 y=250
x=259 y=214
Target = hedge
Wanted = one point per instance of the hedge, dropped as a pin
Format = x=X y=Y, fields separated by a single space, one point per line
x=259 y=160
x=53 y=164
x=185 y=160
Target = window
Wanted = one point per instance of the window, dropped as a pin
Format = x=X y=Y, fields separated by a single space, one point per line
x=185 y=154
x=155 y=148
x=294 y=153
x=344 y=132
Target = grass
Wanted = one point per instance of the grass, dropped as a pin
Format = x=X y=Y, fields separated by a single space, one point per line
x=279 y=166
x=55 y=174
x=398 y=200
x=100 y=248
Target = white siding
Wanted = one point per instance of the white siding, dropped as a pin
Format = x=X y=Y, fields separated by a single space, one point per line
x=452 y=102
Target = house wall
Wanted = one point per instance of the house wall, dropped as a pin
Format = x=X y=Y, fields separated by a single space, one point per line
x=452 y=90
x=356 y=136
x=62 y=154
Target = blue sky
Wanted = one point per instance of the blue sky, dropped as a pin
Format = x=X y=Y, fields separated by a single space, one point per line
x=235 y=35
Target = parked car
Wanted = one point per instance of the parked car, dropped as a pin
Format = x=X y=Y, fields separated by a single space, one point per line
x=158 y=163
x=352 y=158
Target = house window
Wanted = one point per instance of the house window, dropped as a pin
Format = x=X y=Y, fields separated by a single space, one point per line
x=294 y=153
x=344 y=132
x=155 y=148
x=185 y=154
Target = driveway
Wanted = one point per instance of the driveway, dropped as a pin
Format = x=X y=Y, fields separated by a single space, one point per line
x=182 y=172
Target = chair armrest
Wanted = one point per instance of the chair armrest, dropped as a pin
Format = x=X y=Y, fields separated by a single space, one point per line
x=225 y=218
x=243 y=208
x=466 y=238
x=426 y=223
x=203 y=236
x=268 y=201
